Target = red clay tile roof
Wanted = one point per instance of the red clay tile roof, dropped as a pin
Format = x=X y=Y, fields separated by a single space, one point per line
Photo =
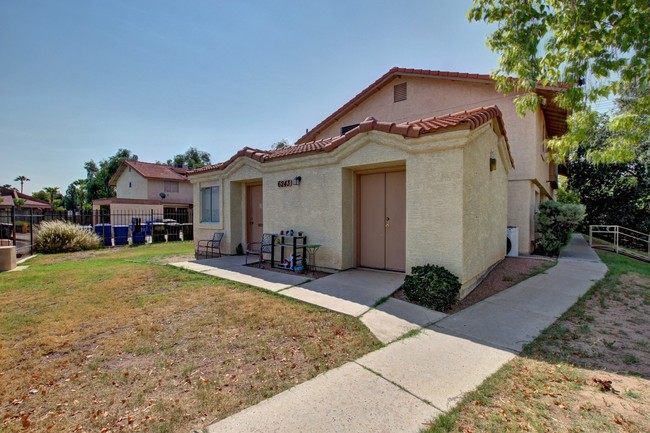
x=150 y=170
x=8 y=195
x=554 y=116
x=470 y=119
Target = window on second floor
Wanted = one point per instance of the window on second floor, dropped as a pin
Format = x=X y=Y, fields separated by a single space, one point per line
x=171 y=186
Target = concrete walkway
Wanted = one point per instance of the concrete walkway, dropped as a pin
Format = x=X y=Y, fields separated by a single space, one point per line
x=409 y=382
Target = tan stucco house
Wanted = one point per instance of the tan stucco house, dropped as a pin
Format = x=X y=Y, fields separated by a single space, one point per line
x=405 y=94
x=144 y=188
x=384 y=194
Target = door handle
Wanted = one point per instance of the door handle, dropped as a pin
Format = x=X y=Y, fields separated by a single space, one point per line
x=387 y=225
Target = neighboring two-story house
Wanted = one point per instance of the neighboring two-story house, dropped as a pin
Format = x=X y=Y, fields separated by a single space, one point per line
x=144 y=188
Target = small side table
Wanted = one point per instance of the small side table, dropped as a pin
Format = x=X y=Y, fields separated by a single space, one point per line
x=311 y=255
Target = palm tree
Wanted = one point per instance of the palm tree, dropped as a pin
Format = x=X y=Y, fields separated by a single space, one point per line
x=22 y=180
x=52 y=191
x=80 y=190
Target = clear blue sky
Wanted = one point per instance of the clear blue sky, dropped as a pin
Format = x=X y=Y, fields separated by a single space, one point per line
x=81 y=79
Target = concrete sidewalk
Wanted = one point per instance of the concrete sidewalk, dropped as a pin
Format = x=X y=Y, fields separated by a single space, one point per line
x=407 y=383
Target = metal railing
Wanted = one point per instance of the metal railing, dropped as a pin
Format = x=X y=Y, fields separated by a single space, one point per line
x=621 y=239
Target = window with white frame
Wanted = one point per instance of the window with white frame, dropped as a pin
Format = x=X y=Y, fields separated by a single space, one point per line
x=210 y=200
x=171 y=186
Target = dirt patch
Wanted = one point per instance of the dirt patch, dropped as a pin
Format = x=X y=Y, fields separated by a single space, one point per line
x=609 y=331
x=507 y=273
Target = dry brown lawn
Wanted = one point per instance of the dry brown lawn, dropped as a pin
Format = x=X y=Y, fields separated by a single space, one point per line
x=117 y=341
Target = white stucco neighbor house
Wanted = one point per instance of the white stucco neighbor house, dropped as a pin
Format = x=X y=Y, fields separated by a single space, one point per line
x=384 y=194
x=143 y=188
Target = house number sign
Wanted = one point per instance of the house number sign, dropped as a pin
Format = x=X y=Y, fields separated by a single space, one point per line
x=290 y=182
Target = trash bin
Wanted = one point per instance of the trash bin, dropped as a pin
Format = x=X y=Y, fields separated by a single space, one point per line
x=104 y=232
x=137 y=238
x=136 y=225
x=121 y=235
x=6 y=231
x=188 y=231
x=173 y=232
x=158 y=232
x=147 y=228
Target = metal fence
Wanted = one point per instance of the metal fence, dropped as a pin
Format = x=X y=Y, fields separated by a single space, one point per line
x=620 y=239
x=21 y=227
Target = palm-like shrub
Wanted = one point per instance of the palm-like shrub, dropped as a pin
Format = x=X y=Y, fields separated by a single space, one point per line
x=64 y=237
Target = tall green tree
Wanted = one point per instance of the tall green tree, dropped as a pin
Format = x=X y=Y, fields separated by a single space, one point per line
x=41 y=195
x=280 y=144
x=22 y=180
x=98 y=176
x=192 y=158
x=615 y=193
x=591 y=49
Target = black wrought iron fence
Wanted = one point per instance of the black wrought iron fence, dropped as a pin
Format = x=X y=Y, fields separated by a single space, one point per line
x=21 y=228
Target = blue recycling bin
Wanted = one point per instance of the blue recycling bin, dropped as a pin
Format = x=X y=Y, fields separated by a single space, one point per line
x=104 y=232
x=147 y=225
x=121 y=234
x=138 y=238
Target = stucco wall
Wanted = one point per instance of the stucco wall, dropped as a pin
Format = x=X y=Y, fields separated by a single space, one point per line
x=433 y=97
x=184 y=194
x=484 y=207
x=324 y=204
x=138 y=188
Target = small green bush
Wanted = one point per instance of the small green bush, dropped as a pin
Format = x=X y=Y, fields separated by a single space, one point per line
x=555 y=223
x=432 y=286
x=65 y=237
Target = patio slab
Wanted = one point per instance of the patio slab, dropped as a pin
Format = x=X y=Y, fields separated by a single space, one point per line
x=361 y=286
x=224 y=262
x=367 y=404
x=436 y=367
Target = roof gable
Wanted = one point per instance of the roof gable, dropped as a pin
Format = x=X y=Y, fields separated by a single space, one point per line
x=554 y=116
x=470 y=119
x=150 y=170
x=8 y=195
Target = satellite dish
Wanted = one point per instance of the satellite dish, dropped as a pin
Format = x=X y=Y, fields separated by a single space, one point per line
x=163 y=195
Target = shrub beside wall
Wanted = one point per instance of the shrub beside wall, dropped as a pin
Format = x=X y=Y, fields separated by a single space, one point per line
x=64 y=237
x=432 y=286
x=555 y=224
